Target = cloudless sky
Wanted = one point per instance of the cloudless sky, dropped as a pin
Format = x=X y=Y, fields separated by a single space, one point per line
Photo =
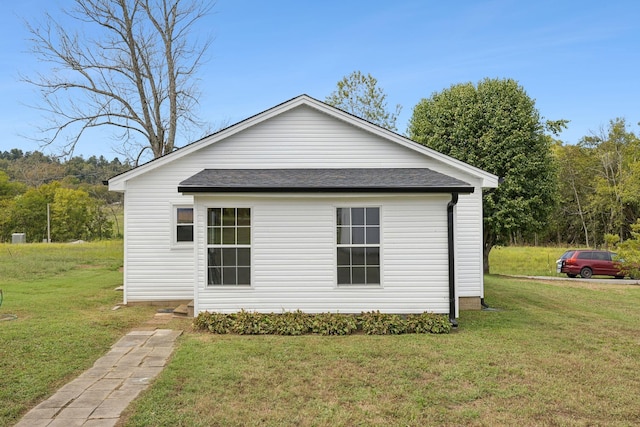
x=579 y=60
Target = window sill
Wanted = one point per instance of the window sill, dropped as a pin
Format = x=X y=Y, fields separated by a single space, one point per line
x=360 y=286
x=227 y=287
x=182 y=246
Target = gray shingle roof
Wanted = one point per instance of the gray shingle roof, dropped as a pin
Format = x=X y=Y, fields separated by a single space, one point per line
x=323 y=180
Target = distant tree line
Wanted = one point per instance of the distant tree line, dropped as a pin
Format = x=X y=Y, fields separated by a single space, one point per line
x=34 y=185
x=598 y=182
x=35 y=168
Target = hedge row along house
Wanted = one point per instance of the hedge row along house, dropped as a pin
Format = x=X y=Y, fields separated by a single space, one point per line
x=305 y=207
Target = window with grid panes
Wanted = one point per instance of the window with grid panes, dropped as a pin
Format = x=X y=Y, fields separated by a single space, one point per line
x=229 y=246
x=358 y=241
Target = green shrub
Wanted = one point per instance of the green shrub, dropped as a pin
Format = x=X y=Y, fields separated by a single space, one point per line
x=334 y=324
x=299 y=323
x=200 y=321
x=428 y=323
x=217 y=323
x=291 y=323
x=376 y=323
x=250 y=323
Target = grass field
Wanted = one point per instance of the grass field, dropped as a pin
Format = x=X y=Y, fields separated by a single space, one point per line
x=62 y=296
x=552 y=353
x=525 y=260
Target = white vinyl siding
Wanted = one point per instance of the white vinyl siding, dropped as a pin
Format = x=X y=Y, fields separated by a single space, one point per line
x=468 y=245
x=156 y=269
x=294 y=256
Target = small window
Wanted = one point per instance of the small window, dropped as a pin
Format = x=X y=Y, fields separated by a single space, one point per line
x=358 y=241
x=184 y=224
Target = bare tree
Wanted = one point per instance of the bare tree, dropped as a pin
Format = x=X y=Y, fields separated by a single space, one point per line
x=132 y=69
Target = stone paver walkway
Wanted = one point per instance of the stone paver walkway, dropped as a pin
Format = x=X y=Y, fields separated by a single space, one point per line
x=98 y=396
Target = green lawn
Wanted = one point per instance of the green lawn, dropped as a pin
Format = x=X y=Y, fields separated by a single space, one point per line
x=62 y=295
x=556 y=353
x=525 y=260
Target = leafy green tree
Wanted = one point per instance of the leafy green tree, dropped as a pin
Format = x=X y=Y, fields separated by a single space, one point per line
x=615 y=178
x=360 y=95
x=8 y=191
x=6 y=219
x=70 y=215
x=14 y=154
x=573 y=219
x=29 y=213
x=76 y=215
x=599 y=187
x=8 y=188
x=495 y=126
x=628 y=252
x=100 y=226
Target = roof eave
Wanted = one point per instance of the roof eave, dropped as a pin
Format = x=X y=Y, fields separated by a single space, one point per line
x=404 y=190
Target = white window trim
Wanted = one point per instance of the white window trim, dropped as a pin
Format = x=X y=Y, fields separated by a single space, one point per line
x=174 y=226
x=335 y=246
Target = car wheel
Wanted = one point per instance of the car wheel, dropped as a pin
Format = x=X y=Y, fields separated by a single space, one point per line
x=573 y=276
x=586 y=273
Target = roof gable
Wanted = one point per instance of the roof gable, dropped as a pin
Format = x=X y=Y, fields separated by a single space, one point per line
x=118 y=182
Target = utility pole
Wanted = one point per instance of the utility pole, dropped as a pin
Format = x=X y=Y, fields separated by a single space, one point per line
x=48 y=224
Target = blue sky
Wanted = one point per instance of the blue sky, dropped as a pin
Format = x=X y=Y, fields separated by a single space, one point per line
x=578 y=60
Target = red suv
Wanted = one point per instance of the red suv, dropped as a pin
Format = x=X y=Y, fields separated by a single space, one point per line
x=588 y=263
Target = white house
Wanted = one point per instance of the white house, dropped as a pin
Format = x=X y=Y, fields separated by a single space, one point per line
x=306 y=207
